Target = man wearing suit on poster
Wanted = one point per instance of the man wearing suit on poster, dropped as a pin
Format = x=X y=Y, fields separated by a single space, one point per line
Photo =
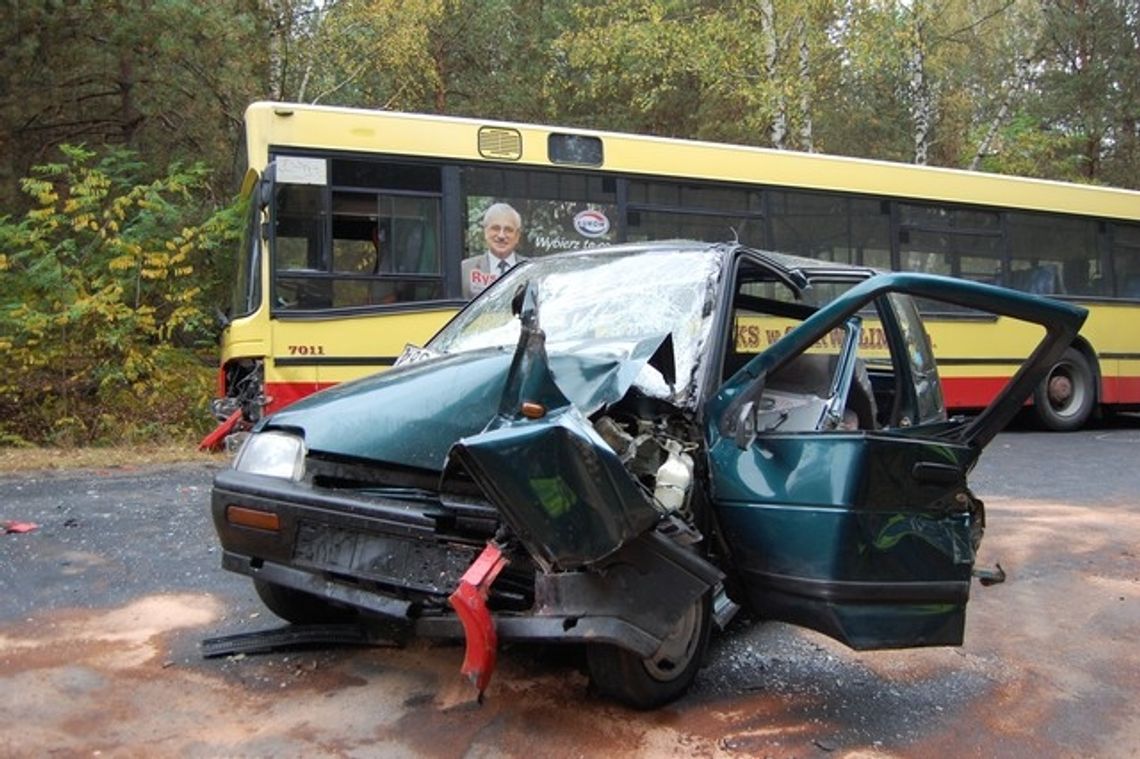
x=502 y=229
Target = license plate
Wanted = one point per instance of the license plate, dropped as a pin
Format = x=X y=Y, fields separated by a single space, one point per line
x=416 y=564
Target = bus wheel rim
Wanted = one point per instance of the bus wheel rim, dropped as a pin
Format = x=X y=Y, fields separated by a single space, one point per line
x=1066 y=393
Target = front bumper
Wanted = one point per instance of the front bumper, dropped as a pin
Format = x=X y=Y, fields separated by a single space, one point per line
x=399 y=559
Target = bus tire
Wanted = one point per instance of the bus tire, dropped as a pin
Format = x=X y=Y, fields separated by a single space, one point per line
x=646 y=683
x=1065 y=398
x=299 y=607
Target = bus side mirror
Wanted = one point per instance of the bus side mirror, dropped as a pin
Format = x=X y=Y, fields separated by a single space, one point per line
x=265 y=186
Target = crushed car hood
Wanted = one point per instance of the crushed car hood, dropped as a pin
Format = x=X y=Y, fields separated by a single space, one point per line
x=412 y=414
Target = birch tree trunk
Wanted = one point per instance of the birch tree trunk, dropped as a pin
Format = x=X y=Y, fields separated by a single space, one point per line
x=921 y=99
x=779 y=131
x=1014 y=87
x=806 y=137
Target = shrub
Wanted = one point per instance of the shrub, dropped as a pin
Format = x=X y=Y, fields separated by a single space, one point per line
x=105 y=322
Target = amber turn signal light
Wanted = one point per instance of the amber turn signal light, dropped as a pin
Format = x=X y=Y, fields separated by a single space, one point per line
x=533 y=410
x=255 y=518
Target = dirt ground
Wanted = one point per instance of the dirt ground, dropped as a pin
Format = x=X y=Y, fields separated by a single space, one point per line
x=99 y=654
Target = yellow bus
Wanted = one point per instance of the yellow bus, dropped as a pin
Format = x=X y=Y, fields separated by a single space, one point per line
x=359 y=223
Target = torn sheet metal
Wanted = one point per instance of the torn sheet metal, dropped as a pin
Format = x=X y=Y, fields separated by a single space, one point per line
x=628 y=586
x=596 y=375
x=564 y=493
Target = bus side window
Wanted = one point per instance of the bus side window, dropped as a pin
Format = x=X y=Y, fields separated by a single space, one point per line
x=370 y=237
x=414 y=247
x=1053 y=255
x=1042 y=279
x=1126 y=254
x=357 y=239
x=298 y=233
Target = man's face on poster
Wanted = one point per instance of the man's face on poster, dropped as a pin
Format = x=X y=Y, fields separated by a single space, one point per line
x=502 y=234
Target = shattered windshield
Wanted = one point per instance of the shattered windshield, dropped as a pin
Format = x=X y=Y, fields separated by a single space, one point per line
x=599 y=300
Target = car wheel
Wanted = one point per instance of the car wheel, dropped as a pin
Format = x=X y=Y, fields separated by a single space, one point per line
x=646 y=683
x=1065 y=399
x=299 y=607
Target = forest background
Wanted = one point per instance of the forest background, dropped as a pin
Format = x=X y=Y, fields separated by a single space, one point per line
x=121 y=145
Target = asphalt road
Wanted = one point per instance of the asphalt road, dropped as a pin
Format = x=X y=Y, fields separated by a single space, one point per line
x=103 y=606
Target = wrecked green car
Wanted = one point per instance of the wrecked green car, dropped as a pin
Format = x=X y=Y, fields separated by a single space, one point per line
x=620 y=447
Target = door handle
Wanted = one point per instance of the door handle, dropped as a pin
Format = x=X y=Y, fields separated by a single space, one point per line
x=935 y=473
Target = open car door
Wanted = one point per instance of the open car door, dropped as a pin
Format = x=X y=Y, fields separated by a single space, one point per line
x=839 y=483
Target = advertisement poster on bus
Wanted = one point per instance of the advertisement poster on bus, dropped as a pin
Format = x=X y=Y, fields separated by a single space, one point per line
x=548 y=226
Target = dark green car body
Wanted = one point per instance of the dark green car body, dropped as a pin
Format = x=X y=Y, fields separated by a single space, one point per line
x=552 y=421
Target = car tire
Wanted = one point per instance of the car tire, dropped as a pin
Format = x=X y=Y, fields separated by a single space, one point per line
x=647 y=683
x=299 y=607
x=1066 y=397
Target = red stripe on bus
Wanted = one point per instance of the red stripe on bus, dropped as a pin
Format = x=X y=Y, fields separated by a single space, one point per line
x=977 y=392
x=281 y=394
x=971 y=392
x=1120 y=390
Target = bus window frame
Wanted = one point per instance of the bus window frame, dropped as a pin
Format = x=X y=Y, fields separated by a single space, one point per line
x=326 y=239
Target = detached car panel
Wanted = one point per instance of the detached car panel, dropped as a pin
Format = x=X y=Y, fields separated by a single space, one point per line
x=616 y=447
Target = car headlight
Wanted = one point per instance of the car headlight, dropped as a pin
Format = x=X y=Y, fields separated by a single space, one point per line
x=273 y=454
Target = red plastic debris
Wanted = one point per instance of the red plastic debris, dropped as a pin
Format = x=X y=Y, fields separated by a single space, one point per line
x=14 y=527
x=470 y=602
x=213 y=441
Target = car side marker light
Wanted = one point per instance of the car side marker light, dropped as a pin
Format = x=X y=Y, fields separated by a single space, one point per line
x=532 y=410
x=255 y=518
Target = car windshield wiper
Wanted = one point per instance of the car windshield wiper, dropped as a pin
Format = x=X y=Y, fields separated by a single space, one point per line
x=783 y=418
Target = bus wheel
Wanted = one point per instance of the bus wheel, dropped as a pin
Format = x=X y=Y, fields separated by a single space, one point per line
x=658 y=679
x=299 y=607
x=1065 y=398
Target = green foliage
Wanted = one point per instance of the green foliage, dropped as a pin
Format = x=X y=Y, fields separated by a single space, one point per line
x=104 y=299
x=1091 y=93
x=166 y=78
x=687 y=69
x=442 y=56
x=1024 y=149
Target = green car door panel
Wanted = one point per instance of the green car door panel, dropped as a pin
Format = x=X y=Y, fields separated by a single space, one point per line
x=837 y=533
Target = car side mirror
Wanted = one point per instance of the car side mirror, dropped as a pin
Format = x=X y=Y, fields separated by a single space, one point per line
x=745 y=432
